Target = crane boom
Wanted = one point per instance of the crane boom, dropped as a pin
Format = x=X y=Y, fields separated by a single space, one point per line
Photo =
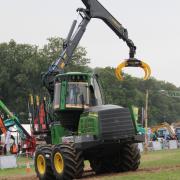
x=93 y=10
x=96 y=10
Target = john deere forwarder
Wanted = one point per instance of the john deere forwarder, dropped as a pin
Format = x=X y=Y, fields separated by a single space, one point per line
x=80 y=126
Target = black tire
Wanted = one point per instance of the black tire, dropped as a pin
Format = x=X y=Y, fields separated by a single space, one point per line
x=79 y=164
x=96 y=165
x=101 y=165
x=72 y=163
x=44 y=153
x=130 y=157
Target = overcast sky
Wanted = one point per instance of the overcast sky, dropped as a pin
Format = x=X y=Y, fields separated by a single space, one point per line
x=153 y=25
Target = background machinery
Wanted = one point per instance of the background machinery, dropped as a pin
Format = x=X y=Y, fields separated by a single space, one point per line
x=6 y=124
x=79 y=126
x=176 y=127
x=2 y=131
x=163 y=130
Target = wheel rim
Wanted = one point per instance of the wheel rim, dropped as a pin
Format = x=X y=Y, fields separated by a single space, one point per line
x=58 y=162
x=41 y=164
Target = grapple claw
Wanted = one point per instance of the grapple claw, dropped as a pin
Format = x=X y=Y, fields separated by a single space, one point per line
x=133 y=63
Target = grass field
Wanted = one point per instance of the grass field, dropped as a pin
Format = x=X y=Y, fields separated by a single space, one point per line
x=156 y=165
x=21 y=170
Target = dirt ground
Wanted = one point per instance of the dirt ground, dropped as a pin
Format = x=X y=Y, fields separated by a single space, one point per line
x=89 y=175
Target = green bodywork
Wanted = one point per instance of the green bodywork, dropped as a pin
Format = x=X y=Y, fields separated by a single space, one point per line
x=63 y=95
x=140 y=128
x=134 y=115
x=89 y=124
x=57 y=132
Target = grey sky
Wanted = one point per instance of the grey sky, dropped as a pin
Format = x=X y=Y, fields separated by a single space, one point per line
x=153 y=25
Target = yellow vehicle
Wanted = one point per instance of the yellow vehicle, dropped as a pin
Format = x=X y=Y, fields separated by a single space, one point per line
x=164 y=130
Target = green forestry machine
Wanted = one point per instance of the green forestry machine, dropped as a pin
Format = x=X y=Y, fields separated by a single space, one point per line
x=80 y=126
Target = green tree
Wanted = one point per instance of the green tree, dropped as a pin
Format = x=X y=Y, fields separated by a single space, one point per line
x=21 y=68
x=132 y=91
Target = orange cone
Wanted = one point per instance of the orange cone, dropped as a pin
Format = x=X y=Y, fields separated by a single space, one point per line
x=28 y=168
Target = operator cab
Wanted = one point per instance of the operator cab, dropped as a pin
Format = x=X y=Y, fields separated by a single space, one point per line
x=76 y=91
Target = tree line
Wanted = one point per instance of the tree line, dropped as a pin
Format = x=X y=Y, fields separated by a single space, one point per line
x=21 y=66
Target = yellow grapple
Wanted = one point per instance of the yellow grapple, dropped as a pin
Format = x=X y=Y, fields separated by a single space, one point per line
x=133 y=63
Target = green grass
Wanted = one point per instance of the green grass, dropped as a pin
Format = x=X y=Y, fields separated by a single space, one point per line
x=156 y=165
x=15 y=171
x=160 y=158
x=21 y=161
x=20 y=170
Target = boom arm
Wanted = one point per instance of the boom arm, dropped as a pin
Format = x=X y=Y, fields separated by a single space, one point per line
x=68 y=48
x=96 y=10
x=93 y=10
